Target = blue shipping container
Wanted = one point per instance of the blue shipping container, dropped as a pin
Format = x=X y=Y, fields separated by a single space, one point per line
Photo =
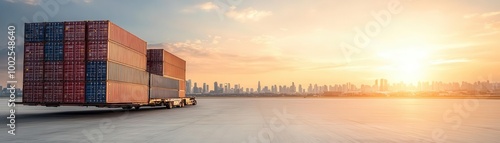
x=96 y=71
x=95 y=92
x=34 y=32
x=54 y=51
x=54 y=31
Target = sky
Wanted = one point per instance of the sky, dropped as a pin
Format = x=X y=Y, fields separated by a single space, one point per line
x=301 y=41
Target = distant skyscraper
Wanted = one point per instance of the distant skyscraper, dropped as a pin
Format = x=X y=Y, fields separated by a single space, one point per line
x=204 y=88
x=216 y=87
x=195 y=88
x=300 y=88
x=258 y=88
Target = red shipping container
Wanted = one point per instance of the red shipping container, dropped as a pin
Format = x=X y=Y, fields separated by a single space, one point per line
x=33 y=51
x=74 y=70
x=33 y=92
x=106 y=30
x=53 y=92
x=75 y=30
x=74 y=50
x=33 y=71
x=53 y=71
x=74 y=92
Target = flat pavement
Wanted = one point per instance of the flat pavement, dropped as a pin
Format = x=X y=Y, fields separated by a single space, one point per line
x=277 y=120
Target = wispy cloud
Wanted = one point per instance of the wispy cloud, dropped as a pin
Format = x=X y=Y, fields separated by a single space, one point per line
x=449 y=61
x=248 y=14
x=490 y=14
x=38 y=2
x=207 y=7
x=243 y=15
x=29 y=2
x=482 y=15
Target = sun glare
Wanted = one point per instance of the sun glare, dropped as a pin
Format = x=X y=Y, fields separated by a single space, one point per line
x=406 y=65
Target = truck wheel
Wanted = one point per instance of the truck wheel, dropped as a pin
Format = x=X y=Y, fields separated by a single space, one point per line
x=137 y=107
x=127 y=108
x=169 y=105
x=194 y=102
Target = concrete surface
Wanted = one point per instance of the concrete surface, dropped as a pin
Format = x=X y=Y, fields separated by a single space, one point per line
x=277 y=120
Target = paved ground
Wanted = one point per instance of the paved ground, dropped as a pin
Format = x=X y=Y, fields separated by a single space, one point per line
x=280 y=120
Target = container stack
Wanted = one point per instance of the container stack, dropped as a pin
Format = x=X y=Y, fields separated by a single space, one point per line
x=74 y=61
x=34 y=61
x=116 y=64
x=170 y=67
x=83 y=62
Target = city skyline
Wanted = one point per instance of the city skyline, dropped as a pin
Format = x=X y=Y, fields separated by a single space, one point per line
x=379 y=85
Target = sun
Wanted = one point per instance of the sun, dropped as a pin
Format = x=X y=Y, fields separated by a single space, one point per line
x=405 y=65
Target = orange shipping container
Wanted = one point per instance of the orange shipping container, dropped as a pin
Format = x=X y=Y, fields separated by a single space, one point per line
x=122 y=92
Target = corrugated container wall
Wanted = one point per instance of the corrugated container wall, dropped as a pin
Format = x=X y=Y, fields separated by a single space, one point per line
x=163 y=63
x=54 y=51
x=164 y=82
x=54 y=31
x=75 y=30
x=33 y=51
x=34 y=32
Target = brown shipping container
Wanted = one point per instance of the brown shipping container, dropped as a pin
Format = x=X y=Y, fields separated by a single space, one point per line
x=182 y=93
x=160 y=55
x=161 y=93
x=106 y=30
x=118 y=72
x=122 y=92
x=164 y=82
x=110 y=51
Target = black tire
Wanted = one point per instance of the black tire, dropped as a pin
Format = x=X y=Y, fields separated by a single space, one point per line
x=169 y=105
x=194 y=102
x=137 y=107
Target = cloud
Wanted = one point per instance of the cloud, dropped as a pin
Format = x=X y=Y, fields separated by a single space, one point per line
x=449 y=61
x=482 y=15
x=207 y=7
x=29 y=2
x=248 y=14
x=203 y=56
x=263 y=39
x=492 y=25
x=490 y=14
x=38 y=2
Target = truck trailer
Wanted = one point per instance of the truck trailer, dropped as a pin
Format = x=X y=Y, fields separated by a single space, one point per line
x=97 y=63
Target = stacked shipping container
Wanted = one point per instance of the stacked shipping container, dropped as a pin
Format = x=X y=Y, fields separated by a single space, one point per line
x=74 y=61
x=116 y=64
x=95 y=62
x=34 y=62
x=163 y=63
